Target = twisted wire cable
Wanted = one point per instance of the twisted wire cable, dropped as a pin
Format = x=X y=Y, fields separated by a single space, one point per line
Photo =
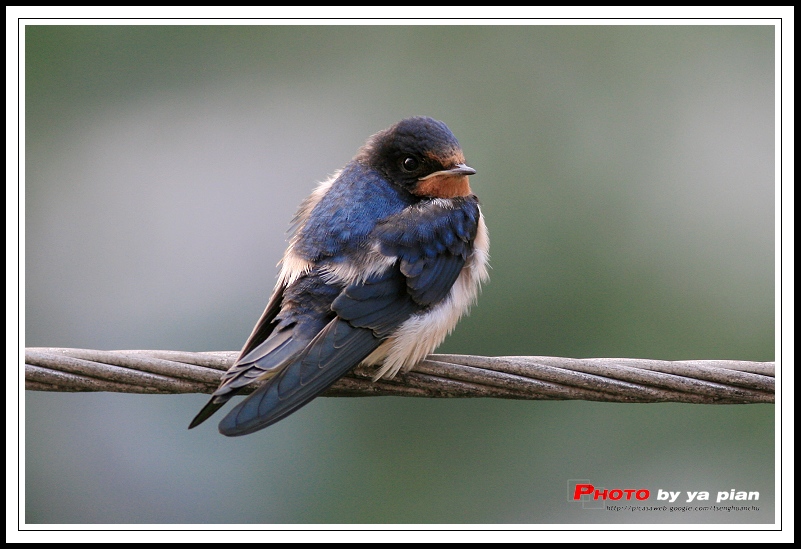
x=439 y=375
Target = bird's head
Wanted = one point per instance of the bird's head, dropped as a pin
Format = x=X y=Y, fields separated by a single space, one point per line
x=421 y=155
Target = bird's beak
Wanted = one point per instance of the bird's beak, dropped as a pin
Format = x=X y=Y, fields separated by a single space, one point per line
x=460 y=169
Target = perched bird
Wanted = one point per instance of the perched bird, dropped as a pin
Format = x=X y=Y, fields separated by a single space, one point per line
x=386 y=256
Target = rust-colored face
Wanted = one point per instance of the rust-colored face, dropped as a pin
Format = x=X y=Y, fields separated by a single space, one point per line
x=448 y=183
x=443 y=185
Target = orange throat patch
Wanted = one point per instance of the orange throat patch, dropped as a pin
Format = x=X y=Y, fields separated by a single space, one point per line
x=444 y=186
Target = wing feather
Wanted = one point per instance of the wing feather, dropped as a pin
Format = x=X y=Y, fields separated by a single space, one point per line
x=316 y=329
x=329 y=356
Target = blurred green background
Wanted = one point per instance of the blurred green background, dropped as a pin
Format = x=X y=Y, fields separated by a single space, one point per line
x=627 y=178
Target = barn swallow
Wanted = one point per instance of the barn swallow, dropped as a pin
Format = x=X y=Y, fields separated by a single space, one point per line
x=386 y=256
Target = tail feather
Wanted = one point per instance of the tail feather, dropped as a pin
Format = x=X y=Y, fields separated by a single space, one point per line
x=207 y=411
x=266 y=360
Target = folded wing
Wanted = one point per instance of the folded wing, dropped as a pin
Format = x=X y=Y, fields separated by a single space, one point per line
x=323 y=329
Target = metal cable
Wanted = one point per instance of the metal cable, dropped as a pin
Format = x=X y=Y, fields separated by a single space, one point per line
x=518 y=377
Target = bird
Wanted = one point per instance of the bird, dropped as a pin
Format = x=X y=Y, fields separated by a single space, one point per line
x=384 y=258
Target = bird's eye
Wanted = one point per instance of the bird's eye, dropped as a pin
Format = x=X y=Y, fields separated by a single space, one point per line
x=410 y=163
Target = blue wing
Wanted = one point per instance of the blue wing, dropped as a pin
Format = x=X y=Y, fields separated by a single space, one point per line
x=364 y=314
x=324 y=329
x=432 y=242
x=335 y=350
x=285 y=344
